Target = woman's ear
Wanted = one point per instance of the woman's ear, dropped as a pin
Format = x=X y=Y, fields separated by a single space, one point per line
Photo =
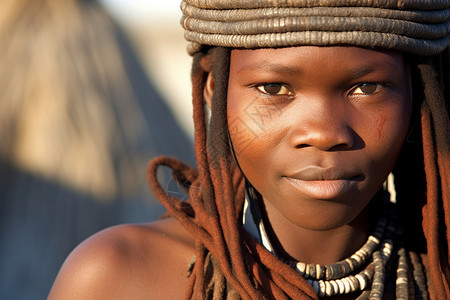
x=209 y=89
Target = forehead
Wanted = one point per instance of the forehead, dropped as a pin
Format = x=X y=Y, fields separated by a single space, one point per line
x=295 y=59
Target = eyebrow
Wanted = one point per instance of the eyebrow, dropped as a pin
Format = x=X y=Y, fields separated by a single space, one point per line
x=271 y=67
x=361 y=72
x=364 y=70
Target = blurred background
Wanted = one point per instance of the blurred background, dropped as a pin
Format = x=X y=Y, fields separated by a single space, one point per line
x=90 y=91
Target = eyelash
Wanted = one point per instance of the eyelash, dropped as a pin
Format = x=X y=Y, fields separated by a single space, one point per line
x=377 y=85
x=284 y=88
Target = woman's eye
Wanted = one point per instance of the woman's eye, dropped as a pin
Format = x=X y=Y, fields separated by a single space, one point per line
x=367 y=89
x=274 y=89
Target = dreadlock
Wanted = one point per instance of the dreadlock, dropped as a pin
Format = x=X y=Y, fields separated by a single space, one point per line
x=436 y=149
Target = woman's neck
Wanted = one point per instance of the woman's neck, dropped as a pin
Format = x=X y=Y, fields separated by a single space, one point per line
x=292 y=242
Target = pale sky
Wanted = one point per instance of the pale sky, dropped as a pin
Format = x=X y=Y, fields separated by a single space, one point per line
x=145 y=11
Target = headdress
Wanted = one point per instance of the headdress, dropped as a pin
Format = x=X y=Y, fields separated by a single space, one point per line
x=420 y=27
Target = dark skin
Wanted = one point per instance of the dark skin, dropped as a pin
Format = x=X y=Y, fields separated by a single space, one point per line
x=128 y=262
x=316 y=176
x=329 y=124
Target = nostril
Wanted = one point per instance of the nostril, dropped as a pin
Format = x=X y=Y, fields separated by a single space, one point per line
x=341 y=147
x=300 y=146
x=325 y=138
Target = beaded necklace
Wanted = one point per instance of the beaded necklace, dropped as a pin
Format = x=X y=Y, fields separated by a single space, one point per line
x=346 y=276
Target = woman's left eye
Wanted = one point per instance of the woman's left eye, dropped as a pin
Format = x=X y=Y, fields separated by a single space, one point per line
x=274 y=89
x=367 y=88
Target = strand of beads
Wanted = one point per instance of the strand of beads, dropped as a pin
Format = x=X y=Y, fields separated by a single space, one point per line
x=419 y=276
x=341 y=268
x=360 y=281
x=380 y=258
x=401 y=283
x=377 y=290
x=344 y=267
x=335 y=279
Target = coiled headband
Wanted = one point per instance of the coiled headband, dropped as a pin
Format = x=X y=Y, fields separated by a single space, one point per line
x=416 y=26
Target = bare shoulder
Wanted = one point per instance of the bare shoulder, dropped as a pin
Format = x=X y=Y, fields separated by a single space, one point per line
x=147 y=261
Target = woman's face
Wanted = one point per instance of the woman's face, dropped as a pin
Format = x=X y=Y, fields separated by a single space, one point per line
x=316 y=130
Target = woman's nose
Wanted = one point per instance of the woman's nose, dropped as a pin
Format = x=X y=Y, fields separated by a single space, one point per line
x=322 y=124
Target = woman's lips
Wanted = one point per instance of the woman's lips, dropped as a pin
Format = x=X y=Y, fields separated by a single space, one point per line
x=320 y=183
x=322 y=189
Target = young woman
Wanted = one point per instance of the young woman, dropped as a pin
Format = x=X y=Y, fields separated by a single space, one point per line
x=313 y=105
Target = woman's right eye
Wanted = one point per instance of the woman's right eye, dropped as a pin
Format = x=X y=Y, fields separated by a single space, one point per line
x=273 y=89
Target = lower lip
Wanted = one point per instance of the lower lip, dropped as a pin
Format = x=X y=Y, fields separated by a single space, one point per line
x=322 y=189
